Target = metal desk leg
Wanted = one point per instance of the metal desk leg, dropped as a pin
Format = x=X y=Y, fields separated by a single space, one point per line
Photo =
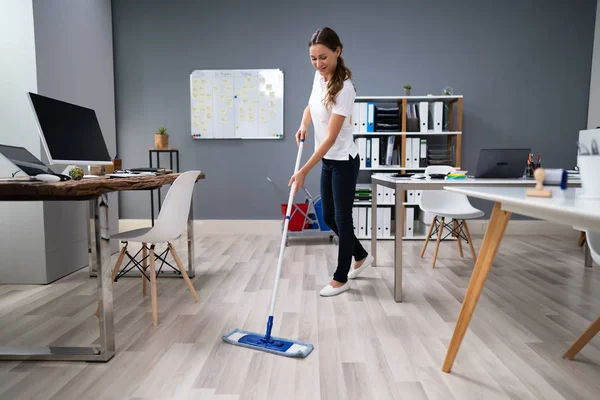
x=100 y=254
x=190 y=241
x=101 y=248
x=373 y=222
x=588 y=262
x=398 y=233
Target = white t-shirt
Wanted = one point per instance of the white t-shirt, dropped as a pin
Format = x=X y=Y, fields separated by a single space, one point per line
x=344 y=145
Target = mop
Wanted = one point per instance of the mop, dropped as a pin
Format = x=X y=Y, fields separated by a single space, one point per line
x=266 y=342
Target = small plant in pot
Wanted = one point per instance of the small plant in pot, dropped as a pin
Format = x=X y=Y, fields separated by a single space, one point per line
x=407 y=90
x=161 y=138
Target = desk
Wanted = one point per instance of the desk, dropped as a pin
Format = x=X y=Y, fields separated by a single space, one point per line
x=93 y=190
x=563 y=208
x=431 y=184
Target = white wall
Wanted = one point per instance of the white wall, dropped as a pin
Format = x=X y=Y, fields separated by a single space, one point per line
x=594 y=104
x=21 y=260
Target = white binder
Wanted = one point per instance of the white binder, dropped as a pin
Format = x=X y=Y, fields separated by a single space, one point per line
x=363 y=117
x=424 y=116
x=416 y=147
x=375 y=152
x=380 y=224
x=369 y=219
x=408 y=155
x=355 y=220
x=368 y=154
x=362 y=222
x=387 y=221
x=409 y=221
x=387 y=196
x=392 y=195
x=438 y=116
x=362 y=151
x=355 y=118
x=418 y=194
x=380 y=194
x=410 y=196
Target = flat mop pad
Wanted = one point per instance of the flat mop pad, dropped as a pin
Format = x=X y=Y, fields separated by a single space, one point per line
x=275 y=345
x=282 y=347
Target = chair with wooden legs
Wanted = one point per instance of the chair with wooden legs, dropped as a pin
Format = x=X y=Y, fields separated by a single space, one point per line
x=451 y=212
x=593 y=241
x=171 y=222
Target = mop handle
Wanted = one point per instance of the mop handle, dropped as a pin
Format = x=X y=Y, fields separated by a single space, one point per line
x=285 y=229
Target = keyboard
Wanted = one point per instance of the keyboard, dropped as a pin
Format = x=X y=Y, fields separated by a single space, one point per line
x=130 y=174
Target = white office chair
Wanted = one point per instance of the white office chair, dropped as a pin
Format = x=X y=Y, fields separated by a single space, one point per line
x=593 y=241
x=447 y=205
x=171 y=222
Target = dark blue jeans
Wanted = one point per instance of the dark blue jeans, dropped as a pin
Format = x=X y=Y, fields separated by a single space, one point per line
x=338 y=185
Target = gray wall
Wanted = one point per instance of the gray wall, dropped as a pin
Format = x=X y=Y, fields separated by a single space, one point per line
x=73 y=41
x=594 y=103
x=22 y=234
x=523 y=67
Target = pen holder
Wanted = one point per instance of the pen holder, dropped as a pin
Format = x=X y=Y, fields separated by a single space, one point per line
x=589 y=171
x=117 y=164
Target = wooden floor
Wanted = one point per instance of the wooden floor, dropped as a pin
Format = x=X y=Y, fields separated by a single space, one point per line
x=538 y=298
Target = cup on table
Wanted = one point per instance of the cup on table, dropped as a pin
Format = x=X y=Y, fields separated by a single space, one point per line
x=589 y=171
x=117 y=164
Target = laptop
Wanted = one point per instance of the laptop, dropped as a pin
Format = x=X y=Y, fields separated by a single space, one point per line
x=24 y=160
x=501 y=163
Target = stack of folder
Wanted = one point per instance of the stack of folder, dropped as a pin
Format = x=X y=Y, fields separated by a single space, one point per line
x=387 y=119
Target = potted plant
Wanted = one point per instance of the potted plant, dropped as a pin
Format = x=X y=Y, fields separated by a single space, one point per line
x=161 y=138
x=407 y=90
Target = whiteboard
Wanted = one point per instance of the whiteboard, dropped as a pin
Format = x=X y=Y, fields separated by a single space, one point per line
x=236 y=104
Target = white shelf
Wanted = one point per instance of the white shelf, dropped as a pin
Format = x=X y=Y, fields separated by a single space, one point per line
x=379 y=238
x=409 y=204
x=368 y=203
x=391 y=168
x=445 y=133
x=409 y=98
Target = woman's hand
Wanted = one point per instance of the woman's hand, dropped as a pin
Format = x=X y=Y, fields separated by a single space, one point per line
x=298 y=180
x=301 y=134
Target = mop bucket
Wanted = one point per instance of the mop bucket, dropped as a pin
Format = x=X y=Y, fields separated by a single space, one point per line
x=319 y=212
x=297 y=219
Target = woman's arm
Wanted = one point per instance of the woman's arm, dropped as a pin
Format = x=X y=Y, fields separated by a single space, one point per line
x=303 y=130
x=335 y=126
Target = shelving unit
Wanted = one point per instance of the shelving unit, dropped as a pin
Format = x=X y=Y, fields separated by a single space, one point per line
x=453 y=106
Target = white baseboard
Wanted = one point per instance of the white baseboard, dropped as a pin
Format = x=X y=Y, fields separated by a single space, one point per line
x=476 y=227
x=216 y=226
x=525 y=227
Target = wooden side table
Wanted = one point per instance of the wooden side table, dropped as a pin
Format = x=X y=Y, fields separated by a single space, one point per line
x=158 y=152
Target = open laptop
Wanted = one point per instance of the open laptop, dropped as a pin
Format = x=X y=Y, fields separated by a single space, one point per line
x=25 y=161
x=501 y=163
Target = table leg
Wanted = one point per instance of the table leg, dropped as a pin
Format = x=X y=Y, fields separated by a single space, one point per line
x=100 y=256
x=373 y=222
x=190 y=241
x=398 y=234
x=588 y=262
x=487 y=254
x=583 y=339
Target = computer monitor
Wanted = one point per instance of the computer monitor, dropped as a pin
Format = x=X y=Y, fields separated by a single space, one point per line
x=24 y=160
x=70 y=133
x=501 y=163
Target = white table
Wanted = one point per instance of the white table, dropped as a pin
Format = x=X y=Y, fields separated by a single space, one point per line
x=401 y=184
x=564 y=207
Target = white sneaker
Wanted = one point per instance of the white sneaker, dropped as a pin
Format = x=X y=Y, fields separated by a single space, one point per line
x=329 y=290
x=354 y=272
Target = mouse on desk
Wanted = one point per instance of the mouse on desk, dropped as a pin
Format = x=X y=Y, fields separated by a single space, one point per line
x=52 y=177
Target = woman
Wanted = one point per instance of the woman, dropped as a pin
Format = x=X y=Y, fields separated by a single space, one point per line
x=329 y=108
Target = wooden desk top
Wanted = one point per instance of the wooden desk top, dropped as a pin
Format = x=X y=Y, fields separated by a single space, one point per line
x=84 y=189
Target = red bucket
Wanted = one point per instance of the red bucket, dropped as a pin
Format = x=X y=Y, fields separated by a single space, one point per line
x=297 y=218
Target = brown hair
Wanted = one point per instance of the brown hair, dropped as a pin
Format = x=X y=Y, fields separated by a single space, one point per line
x=327 y=37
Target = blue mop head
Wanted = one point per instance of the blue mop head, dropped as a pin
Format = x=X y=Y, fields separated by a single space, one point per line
x=279 y=346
